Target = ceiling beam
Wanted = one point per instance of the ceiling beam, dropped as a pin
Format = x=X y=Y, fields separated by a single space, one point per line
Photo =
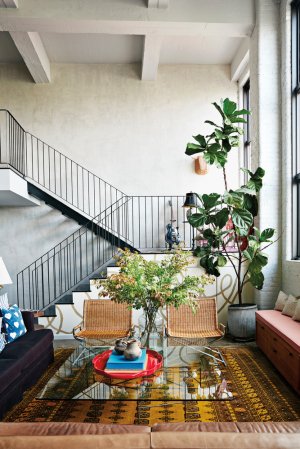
x=34 y=55
x=163 y=4
x=151 y=55
x=234 y=18
x=8 y=3
x=240 y=60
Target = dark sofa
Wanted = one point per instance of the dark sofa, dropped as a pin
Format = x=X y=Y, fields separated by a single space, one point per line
x=23 y=361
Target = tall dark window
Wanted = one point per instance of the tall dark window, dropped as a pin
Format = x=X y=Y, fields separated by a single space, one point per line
x=247 y=139
x=296 y=126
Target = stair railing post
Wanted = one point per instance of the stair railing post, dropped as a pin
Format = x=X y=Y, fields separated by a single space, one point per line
x=4 y=138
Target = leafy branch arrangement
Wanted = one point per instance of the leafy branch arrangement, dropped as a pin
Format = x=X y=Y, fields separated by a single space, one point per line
x=221 y=219
x=149 y=285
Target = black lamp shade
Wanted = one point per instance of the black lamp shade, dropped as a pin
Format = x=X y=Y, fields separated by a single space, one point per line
x=190 y=200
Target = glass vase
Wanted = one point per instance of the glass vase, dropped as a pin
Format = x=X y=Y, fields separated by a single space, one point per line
x=151 y=330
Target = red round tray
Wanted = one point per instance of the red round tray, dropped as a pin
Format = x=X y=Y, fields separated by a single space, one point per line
x=154 y=362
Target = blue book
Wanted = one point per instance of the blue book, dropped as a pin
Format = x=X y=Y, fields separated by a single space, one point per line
x=118 y=362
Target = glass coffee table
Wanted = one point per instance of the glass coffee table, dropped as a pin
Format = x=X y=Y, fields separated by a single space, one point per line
x=187 y=375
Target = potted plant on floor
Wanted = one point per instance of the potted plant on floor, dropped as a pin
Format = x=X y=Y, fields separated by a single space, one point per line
x=226 y=222
x=150 y=285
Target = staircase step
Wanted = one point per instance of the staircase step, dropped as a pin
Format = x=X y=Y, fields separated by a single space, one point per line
x=66 y=299
x=83 y=288
x=50 y=312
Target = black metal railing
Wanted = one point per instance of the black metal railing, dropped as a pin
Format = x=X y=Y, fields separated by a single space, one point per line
x=53 y=171
x=73 y=259
x=136 y=222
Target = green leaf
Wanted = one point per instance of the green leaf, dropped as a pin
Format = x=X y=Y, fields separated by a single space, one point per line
x=257 y=263
x=242 y=112
x=242 y=218
x=219 y=134
x=212 y=123
x=226 y=145
x=201 y=140
x=222 y=260
x=208 y=233
x=234 y=198
x=210 y=266
x=266 y=234
x=219 y=109
x=221 y=218
x=209 y=158
x=197 y=220
x=238 y=120
x=251 y=204
x=245 y=189
x=257 y=280
x=221 y=158
x=228 y=106
x=193 y=148
x=210 y=200
x=249 y=253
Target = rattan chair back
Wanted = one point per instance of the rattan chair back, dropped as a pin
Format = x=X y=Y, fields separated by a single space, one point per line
x=186 y=322
x=106 y=316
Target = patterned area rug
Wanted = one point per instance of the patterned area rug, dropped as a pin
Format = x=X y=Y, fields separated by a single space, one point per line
x=260 y=394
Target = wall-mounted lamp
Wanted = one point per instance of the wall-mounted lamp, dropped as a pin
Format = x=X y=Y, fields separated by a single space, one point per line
x=190 y=200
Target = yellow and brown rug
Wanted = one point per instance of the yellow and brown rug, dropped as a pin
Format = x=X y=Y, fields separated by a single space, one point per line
x=260 y=394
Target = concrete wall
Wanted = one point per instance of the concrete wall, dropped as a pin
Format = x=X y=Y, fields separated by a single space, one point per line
x=290 y=268
x=131 y=133
x=266 y=135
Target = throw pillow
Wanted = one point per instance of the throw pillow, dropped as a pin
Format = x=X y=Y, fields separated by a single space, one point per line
x=14 y=324
x=2 y=342
x=4 y=301
x=281 y=301
x=290 y=306
x=296 y=315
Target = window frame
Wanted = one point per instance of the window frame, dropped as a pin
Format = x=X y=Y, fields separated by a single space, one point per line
x=247 y=131
x=295 y=106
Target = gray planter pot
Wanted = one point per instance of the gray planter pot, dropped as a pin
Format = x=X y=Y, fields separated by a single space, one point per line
x=241 y=321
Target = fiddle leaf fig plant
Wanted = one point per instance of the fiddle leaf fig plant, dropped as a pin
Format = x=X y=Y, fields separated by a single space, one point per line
x=225 y=222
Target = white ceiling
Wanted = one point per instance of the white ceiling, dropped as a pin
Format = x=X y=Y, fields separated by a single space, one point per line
x=152 y=32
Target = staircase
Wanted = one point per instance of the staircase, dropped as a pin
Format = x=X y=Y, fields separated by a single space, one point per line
x=108 y=218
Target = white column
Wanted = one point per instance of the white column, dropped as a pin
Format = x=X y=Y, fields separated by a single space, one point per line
x=266 y=135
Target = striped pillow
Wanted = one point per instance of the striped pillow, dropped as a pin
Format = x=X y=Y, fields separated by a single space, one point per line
x=2 y=342
x=4 y=301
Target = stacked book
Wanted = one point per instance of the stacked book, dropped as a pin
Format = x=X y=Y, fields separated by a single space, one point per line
x=118 y=363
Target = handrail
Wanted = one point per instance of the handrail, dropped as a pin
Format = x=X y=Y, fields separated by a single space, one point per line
x=83 y=252
x=136 y=221
x=40 y=163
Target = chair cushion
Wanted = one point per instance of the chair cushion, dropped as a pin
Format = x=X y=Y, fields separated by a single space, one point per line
x=10 y=370
x=29 y=347
x=14 y=324
x=283 y=325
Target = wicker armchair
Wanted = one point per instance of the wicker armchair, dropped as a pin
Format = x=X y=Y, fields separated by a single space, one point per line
x=103 y=322
x=187 y=328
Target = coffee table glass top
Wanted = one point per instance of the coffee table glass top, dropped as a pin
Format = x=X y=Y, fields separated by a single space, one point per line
x=187 y=374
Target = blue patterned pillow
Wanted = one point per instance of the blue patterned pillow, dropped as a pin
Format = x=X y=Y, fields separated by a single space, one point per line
x=2 y=342
x=13 y=323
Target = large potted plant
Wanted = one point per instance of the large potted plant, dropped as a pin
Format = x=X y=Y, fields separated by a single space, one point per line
x=150 y=285
x=226 y=222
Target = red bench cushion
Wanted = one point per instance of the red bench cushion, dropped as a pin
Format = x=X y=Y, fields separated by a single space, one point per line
x=283 y=325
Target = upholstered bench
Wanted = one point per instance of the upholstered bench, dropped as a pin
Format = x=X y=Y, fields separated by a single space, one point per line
x=278 y=336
